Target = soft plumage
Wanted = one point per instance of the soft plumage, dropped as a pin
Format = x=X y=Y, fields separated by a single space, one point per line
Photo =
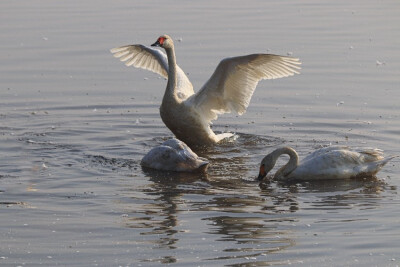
x=334 y=162
x=187 y=114
x=174 y=155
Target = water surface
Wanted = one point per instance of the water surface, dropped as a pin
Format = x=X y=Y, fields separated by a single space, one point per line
x=75 y=123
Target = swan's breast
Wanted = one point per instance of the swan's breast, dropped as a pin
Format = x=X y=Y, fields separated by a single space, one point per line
x=187 y=125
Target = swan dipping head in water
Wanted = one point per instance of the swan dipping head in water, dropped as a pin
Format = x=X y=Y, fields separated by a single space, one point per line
x=174 y=155
x=334 y=162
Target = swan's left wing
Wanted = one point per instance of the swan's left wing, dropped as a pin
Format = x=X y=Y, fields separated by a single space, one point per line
x=233 y=82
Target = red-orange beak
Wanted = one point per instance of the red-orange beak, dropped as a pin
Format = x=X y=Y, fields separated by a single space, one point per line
x=262 y=173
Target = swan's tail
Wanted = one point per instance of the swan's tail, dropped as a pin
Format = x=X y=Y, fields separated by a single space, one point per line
x=381 y=163
x=386 y=160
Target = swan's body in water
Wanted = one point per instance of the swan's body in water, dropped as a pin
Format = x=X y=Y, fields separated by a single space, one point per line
x=334 y=162
x=174 y=155
x=187 y=114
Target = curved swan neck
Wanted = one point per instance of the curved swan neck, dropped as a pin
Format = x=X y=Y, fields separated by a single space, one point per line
x=170 y=92
x=292 y=163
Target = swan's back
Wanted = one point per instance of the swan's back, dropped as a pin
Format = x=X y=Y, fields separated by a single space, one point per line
x=339 y=163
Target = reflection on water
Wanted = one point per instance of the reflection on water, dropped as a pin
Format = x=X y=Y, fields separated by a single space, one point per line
x=250 y=237
x=373 y=184
x=158 y=215
x=170 y=200
x=252 y=222
x=345 y=193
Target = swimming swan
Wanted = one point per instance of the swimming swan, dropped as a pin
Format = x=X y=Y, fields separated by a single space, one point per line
x=334 y=162
x=174 y=155
x=187 y=114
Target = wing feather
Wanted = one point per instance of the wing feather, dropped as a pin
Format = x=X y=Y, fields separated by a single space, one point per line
x=233 y=82
x=143 y=57
x=154 y=60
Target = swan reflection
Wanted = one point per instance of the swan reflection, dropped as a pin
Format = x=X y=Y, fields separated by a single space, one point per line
x=227 y=210
x=337 y=194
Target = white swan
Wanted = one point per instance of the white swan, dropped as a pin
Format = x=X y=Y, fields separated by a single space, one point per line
x=334 y=162
x=189 y=115
x=174 y=155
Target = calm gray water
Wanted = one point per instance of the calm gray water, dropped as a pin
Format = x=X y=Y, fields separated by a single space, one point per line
x=75 y=123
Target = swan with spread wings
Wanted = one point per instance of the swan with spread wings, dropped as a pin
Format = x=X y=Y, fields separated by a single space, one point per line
x=188 y=114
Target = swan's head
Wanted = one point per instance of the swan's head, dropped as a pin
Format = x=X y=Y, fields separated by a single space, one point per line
x=164 y=41
x=267 y=164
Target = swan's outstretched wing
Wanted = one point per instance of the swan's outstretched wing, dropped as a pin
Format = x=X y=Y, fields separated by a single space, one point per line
x=154 y=60
x=233 y=82
x=144 y=57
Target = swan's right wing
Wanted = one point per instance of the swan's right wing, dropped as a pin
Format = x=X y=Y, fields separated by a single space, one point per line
x=143 y=57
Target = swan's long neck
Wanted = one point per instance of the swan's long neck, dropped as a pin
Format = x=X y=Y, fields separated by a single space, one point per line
x=290 y=166
x=170 y=92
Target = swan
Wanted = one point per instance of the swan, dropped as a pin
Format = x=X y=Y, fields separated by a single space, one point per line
x=334 y=162
x=188 y=114
x=174 y=155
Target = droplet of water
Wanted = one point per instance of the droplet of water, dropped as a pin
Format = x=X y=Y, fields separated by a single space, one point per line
x=380 y=63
